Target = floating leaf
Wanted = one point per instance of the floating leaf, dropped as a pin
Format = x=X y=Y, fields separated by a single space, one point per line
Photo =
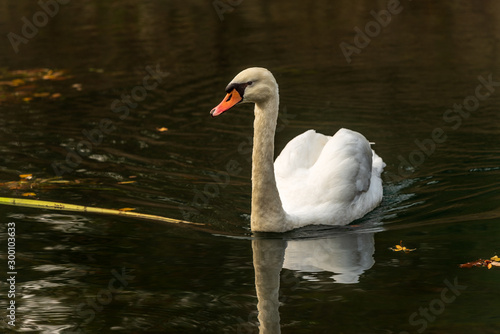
x=24 y=85
x=126 y=209
x=29 y=194
x=477 y=263
x=126 y=182
x=162 y=129
x=51 y=75
x=17 y=82
x=493 y=262
x=44 y=94
x=401 y=248
x=77 y=86
x=28 y=182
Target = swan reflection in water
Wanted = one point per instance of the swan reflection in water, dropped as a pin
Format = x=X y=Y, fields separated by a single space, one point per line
x=346 y=254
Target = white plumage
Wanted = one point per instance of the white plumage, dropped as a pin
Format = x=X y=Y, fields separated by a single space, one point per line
x=329 y=180
x=317 y=179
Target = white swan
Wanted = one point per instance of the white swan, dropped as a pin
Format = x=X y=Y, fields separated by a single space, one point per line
x=316 y=179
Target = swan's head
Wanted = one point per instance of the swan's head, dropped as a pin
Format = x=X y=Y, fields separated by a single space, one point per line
x=255 y=84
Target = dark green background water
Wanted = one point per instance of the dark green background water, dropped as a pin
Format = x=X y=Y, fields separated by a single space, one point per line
x=185 y=279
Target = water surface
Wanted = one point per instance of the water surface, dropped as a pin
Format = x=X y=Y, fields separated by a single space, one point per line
x=89 y=273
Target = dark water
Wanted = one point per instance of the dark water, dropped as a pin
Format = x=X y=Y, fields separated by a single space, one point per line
x=419 y=89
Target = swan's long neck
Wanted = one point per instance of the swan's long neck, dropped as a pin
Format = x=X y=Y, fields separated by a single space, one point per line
x=267 y=209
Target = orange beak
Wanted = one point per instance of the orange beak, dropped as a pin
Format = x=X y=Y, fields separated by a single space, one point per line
x=232 y=98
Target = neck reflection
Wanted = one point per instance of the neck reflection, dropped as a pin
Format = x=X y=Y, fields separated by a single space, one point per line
x=345 y=254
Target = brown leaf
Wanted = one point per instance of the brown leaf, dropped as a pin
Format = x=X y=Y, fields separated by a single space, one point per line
x=44 y=94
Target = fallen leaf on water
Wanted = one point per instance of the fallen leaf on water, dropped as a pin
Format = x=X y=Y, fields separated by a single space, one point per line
x=477 y=263
x=29 y=183
x=126 y=182
x=162 y=129
x=17 y=82
x=24 y=85
x=126 y=209
x=51 y=75
x=44 y=94
x=29 y=195
x=401 y=248
x=493 y=262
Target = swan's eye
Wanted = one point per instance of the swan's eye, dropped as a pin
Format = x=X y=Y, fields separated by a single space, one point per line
x=250 y=83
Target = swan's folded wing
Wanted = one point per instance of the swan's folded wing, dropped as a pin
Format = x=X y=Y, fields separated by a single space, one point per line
x=324 y=169
x=301 y=152
x=346 y=161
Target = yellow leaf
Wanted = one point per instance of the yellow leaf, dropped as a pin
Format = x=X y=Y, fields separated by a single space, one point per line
x=26 y=176
x=495 y=258
x=126 y=209
x=27 y=99
x=17 y=82
x=400 y=247
x=51 y=75
x=396 y=248
x=490 y=265
x=162 y=129
x=29 y=194
x=126 y=182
